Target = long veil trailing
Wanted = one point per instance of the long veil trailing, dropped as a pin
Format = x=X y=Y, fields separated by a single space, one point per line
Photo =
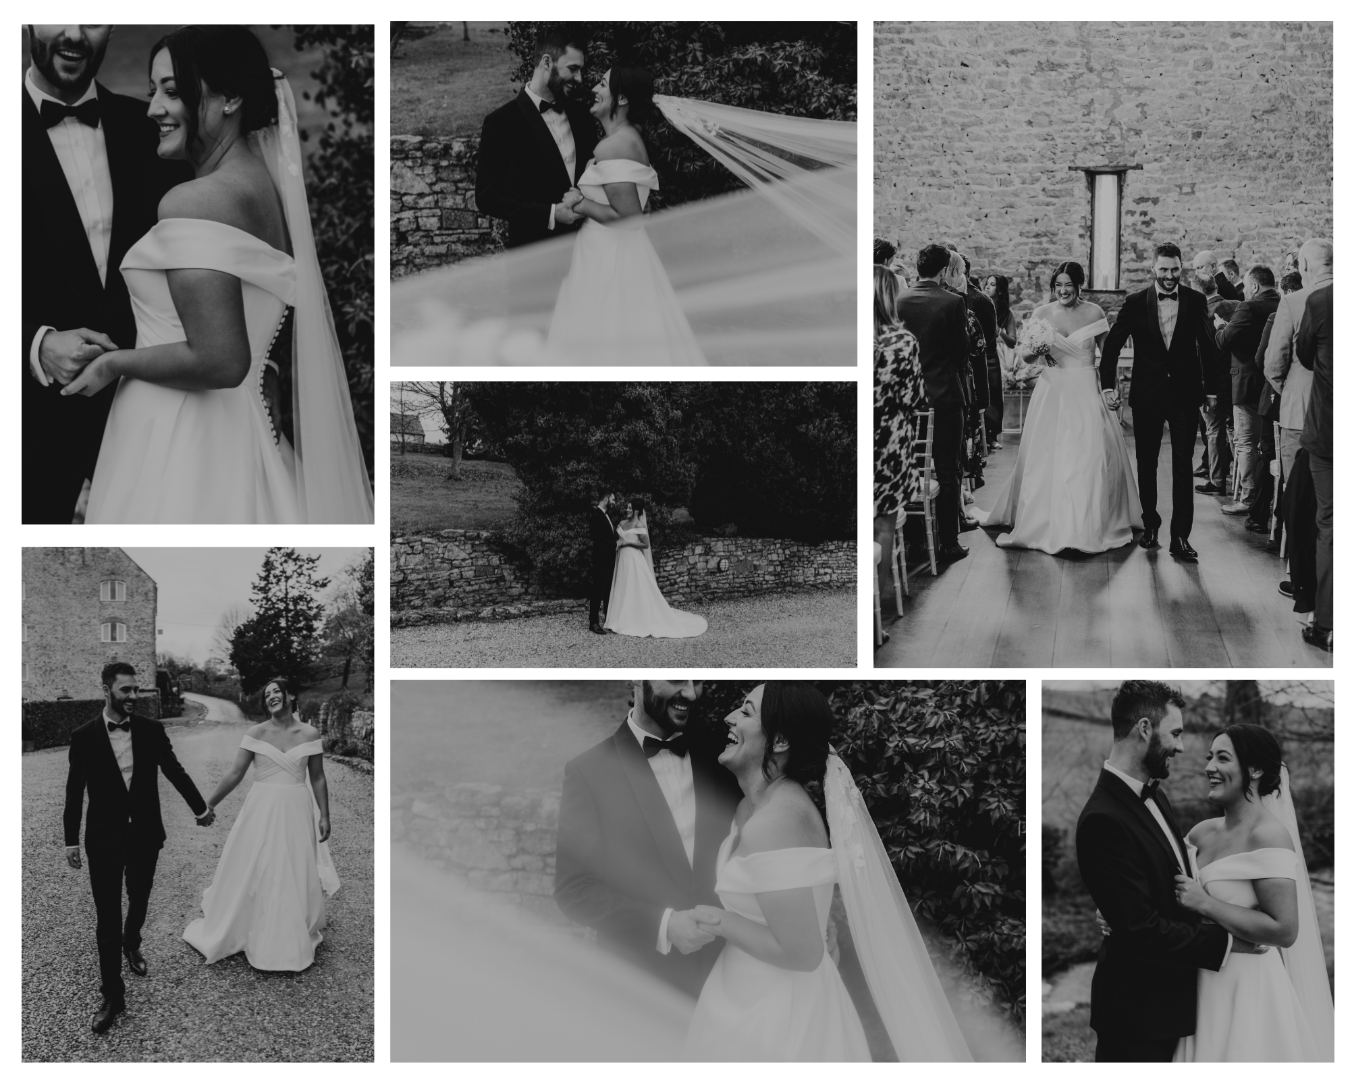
x=767 y=275
x=900 y=975
x=647 y=551
x=1304 y=960
x=331 y=477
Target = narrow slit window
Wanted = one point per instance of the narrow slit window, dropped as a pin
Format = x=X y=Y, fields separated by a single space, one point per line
x=1105 y=273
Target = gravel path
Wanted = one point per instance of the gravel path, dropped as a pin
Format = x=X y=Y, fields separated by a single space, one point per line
x=185 y=1010
x=817 y=628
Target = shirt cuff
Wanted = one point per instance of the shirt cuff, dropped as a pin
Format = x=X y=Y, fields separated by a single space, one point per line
x=551 y=211
x=72 y=847
x=662 y=938
x=34 y=362
x=202 y=814
x=1227 y=953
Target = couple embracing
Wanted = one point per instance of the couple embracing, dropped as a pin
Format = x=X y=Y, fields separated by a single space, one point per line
x=1212 y=950
x=696 y=852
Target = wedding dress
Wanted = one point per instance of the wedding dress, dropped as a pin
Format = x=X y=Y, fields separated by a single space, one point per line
x=1072 y=487
x=636 y=606
x=616 y=305
x=218 y=456
x=266 y=898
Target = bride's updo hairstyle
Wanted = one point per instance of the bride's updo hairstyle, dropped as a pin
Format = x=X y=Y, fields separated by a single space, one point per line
x=1075 y=273
x=228 y=60
x=635 y=84
x=1255 y=748
x=797 y=713
x=639 y=505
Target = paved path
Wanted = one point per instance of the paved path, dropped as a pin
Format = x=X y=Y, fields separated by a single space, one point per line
x=815 y=628
x=219 y=710
x=185 y=1010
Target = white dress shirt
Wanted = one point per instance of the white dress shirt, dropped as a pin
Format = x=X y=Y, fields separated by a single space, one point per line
x=83 y=154
x=675 y=777
x=121 y=744
x=1167 y=315
x=561 y=130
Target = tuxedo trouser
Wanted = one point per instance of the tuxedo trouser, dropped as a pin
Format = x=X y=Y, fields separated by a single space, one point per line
x=1111 y=1048
x=107 y=869
x=948 y=436
x=1265 y=483
x=993 y=415
x=1320 y=467
x=49 y=494
x=1181 y=421
x=600 y=585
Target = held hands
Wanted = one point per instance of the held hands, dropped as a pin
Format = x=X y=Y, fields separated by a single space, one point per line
x=572 y=197
x=685 y=934
x=1112 y=399
x=1190 y=894
x=1242 y=945
x=207 y=818
x=709 y=919
x=1102 y=924
x=99 y=373
x=564 y=215
x=64 y=353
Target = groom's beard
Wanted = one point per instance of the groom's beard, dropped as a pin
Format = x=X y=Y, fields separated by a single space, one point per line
x=1156 y=760
x=655 y=707
x=45 y=60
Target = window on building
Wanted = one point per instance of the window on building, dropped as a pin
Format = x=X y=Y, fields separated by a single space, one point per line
x=1106 y=191
x=25 y=673
x=112 y=591
x=113 y=631
x=25 y=633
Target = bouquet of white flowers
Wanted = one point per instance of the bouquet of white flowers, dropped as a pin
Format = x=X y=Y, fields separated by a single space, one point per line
x=1037 y=337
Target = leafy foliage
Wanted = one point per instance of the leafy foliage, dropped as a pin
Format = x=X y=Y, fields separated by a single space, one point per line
x=797 y=69
x=752 y=459
x=349 y=631
x=49 y=723
x=282 y=635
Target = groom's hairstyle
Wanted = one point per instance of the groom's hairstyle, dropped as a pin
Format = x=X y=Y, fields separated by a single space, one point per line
x=1166 y=251
x=798 y=713
x=932 y=260
x=1255 y=748
x=556 y=40
x=228 y=59
x=1263 y=276
x=1138 y=698
x=116 y=668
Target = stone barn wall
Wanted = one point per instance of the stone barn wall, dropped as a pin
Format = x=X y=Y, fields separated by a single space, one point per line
x=433 y=217
x=978 y=125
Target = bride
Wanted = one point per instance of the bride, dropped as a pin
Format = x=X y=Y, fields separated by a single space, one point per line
x=773 y=993
x=636 y=606
x=1071 y=487
x=230 y=306
x=266 y=898
x=616 y=305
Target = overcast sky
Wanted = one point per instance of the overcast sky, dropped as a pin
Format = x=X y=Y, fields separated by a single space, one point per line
x=198 y=585
x=1309 y=692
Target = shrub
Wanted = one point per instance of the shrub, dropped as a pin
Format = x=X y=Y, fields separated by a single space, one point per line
x=49 y=723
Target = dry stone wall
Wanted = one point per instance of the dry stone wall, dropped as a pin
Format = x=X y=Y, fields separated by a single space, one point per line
x=434 y=219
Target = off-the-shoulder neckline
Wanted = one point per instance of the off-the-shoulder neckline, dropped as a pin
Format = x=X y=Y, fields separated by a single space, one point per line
x=226 y=225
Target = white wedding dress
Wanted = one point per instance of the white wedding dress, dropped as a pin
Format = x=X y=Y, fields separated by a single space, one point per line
x=636 y=606
x=1072 y=487
x=616 y=305
x=750 y=1010
x=266 y=898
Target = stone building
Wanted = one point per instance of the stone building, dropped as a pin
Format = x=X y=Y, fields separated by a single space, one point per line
x=1025 y=144
x=405 y=429
x=83 y=608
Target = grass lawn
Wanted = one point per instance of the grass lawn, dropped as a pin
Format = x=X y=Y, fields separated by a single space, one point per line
x=442 y=85
x=423 y=498
x=1067 y=1037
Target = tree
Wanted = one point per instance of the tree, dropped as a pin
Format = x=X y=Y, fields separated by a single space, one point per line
x=222 y=641
x=349 y=631
x=449 y=403
x=282 y=637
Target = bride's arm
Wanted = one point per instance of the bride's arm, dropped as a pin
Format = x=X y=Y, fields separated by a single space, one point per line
x=215 y=354
x=1274 y=922
x=792 y=940
x=623 y=202
x=231 y=779
x=319 y=783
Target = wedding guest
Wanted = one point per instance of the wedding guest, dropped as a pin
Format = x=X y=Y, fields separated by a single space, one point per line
x=1240 y=337
x=1205 y=265
x=1289 y=263
x=1232 y=273
x=1268 y=412
x=1216 y=458
x=1313 y=347
x=1292 y=381
x=996 y=288
x=937 y=319
x=988 y=373
x=978 y=387
x=883 y=253
x=898 y=399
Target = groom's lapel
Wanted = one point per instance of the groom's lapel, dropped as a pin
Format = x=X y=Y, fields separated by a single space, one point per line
x=1153 y=327
x=543 y=139
x=653 y=804
x=1160 y=797
x=1134 y=806
x=125 y=171
x=57 y=215
x=710 y=827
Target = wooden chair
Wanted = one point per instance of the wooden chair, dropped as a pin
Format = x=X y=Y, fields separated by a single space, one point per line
x=925 y=505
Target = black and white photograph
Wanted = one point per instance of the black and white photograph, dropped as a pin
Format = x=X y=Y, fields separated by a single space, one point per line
x=692 y=870
x=1187 y=871
x=198 y=804
x=198 y=274
x=1086 y=233
x=623 y=524
x=624 y=193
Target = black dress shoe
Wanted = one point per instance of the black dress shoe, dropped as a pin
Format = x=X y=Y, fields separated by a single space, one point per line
x=1202 y=471
x=1208 y=488
x=1287 y=589
x=969 y=526
x=135 y=960
x=107 y=1013
x=951 y=554
x=1315 y=635
x=1272 y=547
x=595 y=628
x=1182 y=549
x=1258 y=526
x=1149 y=539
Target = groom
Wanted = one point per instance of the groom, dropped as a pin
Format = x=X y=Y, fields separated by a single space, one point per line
x=603 y=537
x=92 y=181
x=534 y=149
x=1129 y=853
x=1176 y=365
x=118 y=757
x=642 y=817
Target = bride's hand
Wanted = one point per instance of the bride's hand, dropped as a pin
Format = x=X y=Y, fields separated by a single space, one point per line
x=324 y=828
x=1102 y=924
x=98 y=373
x=708 y=919
x=1190 y=893
x=572 y=197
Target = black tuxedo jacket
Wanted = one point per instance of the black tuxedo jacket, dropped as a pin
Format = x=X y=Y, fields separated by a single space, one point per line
x=1165 y=377
x=937 y=318
x=620 y=862
x=1313 y=348
x=520 y=172
x=602 y=541
x=121 y=817
x=1241 y=339
x=61 y=286
x=1144 y=987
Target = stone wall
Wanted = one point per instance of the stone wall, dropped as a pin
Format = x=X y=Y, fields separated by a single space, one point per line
x=458 y=574
x=978 y=126
x=433 y=217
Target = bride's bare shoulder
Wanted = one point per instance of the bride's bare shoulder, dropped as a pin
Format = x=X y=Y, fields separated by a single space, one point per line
x=623 y=145
x=789 y=820
x=1269 y=832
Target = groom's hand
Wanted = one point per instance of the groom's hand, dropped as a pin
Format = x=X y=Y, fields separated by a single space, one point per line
x=64 y=353
x=207 y=818
x=1242 y=945
x=564 y=215
x=1112 y=399
x=684 y=933
x=73 y=857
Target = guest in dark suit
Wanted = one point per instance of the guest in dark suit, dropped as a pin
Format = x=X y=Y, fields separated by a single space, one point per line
x=1216 y=457
x=1313 y=346
x=937 y=318
x=1176 y=366
x=117 y=758
x=534 y=149
x=1130 y=851
x=1240 y=337
x=1232 y=274
x=92 y=181
x=603 y=537
x=642 y=817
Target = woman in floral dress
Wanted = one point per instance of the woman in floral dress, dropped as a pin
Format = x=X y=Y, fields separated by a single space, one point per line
x=898 y=399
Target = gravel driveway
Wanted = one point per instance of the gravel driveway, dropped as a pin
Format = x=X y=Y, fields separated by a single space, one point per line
x=809 y=629
x=185 y=1010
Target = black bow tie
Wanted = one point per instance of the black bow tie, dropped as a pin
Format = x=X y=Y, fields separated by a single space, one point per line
x=1150 y=790
x=651 y=747
x=545 y=106
x=1164 y=296
x=124 y=726
x=87 y=112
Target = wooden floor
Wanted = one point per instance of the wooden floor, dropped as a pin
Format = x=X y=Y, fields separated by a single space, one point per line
x=1123 y=608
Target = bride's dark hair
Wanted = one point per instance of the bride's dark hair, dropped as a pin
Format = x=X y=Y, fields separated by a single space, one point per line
x=635 y=84
x=1075 y=273
x=639 y=505
x=798 y=713
x=286 y=690
x=1255 y=748
x=229 y=60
